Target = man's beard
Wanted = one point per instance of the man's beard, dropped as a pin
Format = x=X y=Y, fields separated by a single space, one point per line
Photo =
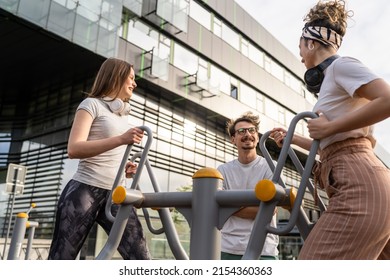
x=245 y=139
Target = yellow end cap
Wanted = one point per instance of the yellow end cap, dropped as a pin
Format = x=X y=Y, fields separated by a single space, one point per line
x=119 y=195
x=293 y=196
x=22 y=215
x=207 y=172
x=265 y=190
x=33 y=205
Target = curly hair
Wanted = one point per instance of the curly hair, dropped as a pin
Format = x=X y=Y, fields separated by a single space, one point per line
x=332 y=14
x=246 y=117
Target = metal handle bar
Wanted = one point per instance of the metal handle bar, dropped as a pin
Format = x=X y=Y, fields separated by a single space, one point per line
x=122 y=167
x=165 y=216
x=305 y=173
x=266 y=209
x=119 y=222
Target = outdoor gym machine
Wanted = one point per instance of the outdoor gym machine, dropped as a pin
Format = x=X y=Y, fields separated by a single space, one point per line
x=207 y=207
x=21 y=224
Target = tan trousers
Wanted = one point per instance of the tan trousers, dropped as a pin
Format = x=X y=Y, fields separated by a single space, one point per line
x=356 y=224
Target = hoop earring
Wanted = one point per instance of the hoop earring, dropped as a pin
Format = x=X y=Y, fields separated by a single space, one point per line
x=310 y=47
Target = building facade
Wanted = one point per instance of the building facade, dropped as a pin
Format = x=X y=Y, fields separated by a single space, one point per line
x=198 y=64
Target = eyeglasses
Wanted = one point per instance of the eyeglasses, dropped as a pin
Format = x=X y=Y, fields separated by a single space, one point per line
x=242 y=131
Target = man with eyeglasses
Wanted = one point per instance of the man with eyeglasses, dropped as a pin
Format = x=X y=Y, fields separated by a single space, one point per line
x=244 y=173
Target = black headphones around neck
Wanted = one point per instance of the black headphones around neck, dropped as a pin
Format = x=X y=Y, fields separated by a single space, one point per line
x=314 y=76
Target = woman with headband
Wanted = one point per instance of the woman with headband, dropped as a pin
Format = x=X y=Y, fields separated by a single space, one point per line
x=351 y=99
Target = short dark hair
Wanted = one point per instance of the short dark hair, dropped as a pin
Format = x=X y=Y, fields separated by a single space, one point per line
x=246 y=117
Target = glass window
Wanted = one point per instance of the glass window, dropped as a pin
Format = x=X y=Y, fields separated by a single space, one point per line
x=90 y=7
x=234 y=92
x=175 y=12
x=189 y=127
x=230 y=37
x=176 y=181
x=176 y=151
x=61 y=20
x=10 y=6
x=282 y=116
x=267 y=63
x=248 y=95
x=271 y=109
x=35 y=11
x=161 y=178
x=244 y=47
x=5 y=144
x=289 y=117
x=69 y=169
x=106 y=44
x=277 y=71
x=210 y=150
x=151 y=125
x=134 y=5
x=220 y=79
x=200 y=145
x=189 y=142
x=296 y=85
x=210 y=162
x=86 y=32
x=220 y=154
x=229 y=157
x=111 y=11
x=185 y=60
x=200 y=159
x=138 y=35
x=308 y=95
x=217 y=27
x=200 y=15
x=256 y=55
x=260 y=103
x=189 y=155
x=177 y=137
x=164 y=132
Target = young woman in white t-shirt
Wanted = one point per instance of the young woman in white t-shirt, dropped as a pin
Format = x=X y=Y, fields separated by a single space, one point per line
x=99 y=136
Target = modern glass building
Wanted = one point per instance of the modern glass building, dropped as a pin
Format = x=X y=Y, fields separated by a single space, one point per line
x=198 y=63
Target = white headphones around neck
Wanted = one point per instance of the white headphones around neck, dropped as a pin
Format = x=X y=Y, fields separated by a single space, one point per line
x=117 y=106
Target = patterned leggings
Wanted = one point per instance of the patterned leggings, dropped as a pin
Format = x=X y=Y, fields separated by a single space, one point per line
x=80 y=205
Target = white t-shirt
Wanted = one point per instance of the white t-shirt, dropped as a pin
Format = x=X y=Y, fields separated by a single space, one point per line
x=236 y=231
x=337 y=95
x=101 y=170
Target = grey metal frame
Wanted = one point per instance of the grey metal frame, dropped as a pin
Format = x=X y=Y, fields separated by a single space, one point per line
x=207 y=208
x=19 y=231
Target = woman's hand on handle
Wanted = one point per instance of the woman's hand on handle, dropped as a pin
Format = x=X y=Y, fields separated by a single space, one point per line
x=130 y=169
x=278 y=134
x=319 y=127
x=132 y=136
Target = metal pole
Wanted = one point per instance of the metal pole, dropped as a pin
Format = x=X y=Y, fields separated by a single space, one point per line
x=205 y=235
x=17 y=236
x=30 y=238
x=12 y=210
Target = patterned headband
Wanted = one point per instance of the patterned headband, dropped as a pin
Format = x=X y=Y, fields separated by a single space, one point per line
x=323 y=34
